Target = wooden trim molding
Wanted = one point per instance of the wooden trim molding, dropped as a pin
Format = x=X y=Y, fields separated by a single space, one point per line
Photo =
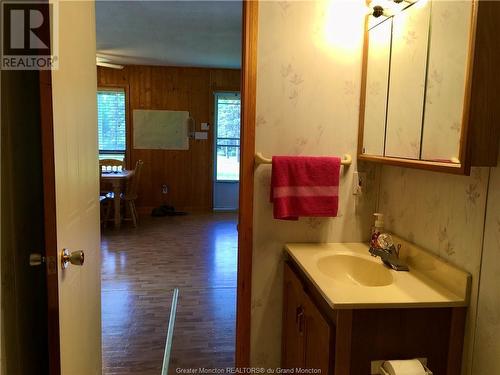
x=362 y=96
x=49 y=211
x=50 y=219
x=416 y=164
x=245 y=222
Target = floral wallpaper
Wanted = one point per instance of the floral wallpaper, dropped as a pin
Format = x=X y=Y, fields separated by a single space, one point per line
x=308 y=82
x=443 y=213
x=448 y=215
x=487 y=345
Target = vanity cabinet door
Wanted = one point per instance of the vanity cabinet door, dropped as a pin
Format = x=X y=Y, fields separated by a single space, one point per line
x=306 y=335
x=293 y=325
x=317 y=342
x=410 y=36
x=377 y=83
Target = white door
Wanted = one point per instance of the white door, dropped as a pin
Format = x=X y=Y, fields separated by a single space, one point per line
x=76 y=179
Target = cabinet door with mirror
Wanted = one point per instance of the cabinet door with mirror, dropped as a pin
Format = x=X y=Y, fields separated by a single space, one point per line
x=377 y=79
x=428 y=68
x=406 y=89
x=446 y=80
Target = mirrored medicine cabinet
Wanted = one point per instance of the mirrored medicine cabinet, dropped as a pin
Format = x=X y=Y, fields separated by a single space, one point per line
x=430 y=94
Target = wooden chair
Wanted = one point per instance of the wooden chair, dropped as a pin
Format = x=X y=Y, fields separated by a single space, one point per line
x=111 y=163
x=105 y=188
x=131 y=193
x=104 y=201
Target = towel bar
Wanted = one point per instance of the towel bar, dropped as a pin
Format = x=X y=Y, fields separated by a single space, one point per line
x=260 y=159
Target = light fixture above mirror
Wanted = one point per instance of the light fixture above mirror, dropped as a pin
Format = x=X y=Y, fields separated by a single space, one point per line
x=388 y=8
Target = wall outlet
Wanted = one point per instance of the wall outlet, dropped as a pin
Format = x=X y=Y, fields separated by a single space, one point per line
x=164 y=189
x=359 y=183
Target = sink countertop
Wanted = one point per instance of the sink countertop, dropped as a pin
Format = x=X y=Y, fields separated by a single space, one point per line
x=431 y=282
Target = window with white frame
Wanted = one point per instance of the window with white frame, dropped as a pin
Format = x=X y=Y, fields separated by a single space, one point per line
x=111 y=121
x=227 y=134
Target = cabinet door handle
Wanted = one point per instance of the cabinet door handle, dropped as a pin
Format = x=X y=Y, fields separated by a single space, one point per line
x=298 y=311
x=299 y=319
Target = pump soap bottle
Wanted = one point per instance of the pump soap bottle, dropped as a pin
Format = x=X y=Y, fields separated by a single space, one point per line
x=378 y=227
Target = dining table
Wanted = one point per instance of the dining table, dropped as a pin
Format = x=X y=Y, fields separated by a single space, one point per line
x=117 y=180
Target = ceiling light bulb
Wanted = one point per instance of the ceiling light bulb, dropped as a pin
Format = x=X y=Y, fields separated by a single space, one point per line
x=378 y=11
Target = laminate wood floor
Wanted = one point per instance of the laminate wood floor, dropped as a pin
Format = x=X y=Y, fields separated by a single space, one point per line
x=141 y=266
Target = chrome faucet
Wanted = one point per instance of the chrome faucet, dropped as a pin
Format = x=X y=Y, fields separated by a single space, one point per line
x=388 y=253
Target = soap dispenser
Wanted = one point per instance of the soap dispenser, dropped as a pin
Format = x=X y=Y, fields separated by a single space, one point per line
x=378 y=227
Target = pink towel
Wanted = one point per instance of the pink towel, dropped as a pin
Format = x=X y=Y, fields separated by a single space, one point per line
x=305 y=186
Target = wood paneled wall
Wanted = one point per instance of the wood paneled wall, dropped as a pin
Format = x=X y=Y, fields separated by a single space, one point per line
x=188 y=174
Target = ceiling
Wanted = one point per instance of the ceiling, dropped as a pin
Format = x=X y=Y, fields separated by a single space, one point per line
x=175 y=33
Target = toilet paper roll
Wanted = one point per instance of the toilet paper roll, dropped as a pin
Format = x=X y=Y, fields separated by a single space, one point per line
x=404 y=367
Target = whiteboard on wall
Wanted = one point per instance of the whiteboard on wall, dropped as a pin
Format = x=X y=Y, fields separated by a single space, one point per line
x=161 y=130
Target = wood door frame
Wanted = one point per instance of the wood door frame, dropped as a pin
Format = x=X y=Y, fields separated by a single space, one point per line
x=50 y=219
x=245 y=220
x=50 y=223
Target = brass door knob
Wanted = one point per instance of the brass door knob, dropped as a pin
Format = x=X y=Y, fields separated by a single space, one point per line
x=72 y=257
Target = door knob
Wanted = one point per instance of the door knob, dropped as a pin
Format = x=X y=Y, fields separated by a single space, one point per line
x=36 y=259
x=74 y=257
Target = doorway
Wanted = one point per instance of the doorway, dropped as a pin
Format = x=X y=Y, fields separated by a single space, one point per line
x=186 y=235
x=227 y=115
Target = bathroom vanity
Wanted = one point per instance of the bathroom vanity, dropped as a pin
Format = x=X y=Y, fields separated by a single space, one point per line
x=429 y=87
x=344 y=309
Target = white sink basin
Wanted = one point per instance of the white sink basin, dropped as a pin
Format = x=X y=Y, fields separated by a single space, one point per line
x=355 y=270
